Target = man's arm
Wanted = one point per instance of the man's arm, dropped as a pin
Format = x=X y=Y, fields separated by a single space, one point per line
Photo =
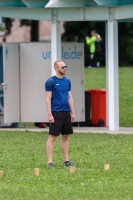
x=48 y=104
x=70 y=100
x=89 y=40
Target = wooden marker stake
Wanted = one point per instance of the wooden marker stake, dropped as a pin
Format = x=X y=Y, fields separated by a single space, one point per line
x=106 y=167
x=36 y=171
x=72 y=169
x=1 y=173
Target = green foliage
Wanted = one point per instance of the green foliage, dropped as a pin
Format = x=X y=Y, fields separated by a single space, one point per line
x=129 y=49
x=8 y=21
x=25 y=22
x=21 y=152
x=2 y=29
x=8 y=24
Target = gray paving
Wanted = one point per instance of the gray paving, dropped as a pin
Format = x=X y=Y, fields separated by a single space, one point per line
x=122 y=130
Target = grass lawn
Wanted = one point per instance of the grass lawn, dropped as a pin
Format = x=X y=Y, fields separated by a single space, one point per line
x=96 y=78
x=21 y=152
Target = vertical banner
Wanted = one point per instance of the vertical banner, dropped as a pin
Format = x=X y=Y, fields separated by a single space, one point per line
x=11 y=82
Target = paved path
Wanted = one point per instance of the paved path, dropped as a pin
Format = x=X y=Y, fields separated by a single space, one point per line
x=122 y=130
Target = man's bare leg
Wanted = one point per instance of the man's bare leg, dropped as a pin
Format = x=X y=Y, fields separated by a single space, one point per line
x=64 y=147
x=50 y=147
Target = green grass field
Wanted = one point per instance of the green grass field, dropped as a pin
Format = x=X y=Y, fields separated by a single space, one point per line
x=96 y=78
x=21 y=152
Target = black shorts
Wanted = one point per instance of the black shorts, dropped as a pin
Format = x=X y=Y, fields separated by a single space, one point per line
x=62 y=124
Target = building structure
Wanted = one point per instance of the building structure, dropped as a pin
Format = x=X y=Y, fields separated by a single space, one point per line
x=22 y=33
x=111 y=12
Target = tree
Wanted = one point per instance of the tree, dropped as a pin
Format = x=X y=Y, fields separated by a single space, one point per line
x=122 y=43
x=5 y=25
x=129 y=42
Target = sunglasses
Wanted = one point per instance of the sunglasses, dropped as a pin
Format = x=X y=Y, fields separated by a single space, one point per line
x=64 y=67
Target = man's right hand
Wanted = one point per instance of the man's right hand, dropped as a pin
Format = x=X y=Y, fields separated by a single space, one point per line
x=51 y=118
x=87 y=37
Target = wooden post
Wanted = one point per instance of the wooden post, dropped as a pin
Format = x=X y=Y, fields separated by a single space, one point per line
x=1 y=173
x=72 y=169
x=106 y=167
x=36 y=171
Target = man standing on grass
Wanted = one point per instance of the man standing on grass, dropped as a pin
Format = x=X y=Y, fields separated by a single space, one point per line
x=91 y=41
x=60 y=109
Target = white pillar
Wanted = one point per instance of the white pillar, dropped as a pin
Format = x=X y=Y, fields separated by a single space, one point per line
x=55 y=44
x=112 y=75
x=107 y=89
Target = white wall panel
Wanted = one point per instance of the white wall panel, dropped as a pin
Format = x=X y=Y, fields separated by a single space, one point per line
x=35 y=69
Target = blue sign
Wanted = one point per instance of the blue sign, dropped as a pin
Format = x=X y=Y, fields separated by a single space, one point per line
x=6 y=52
x=46 y=55
x=69 y=54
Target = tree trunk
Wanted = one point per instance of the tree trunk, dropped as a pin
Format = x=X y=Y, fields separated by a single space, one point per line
x=122 y=43
x=34 y=30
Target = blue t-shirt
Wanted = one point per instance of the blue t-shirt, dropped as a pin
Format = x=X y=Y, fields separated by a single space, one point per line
x=59 y=89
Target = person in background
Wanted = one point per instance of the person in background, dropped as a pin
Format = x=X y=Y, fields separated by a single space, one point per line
x=60 y=109
x=91 y=42
x=98 y=50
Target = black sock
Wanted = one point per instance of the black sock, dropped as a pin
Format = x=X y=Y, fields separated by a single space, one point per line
x=66 y=161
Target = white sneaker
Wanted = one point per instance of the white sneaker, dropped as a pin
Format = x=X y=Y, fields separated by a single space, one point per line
x=98 y=64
